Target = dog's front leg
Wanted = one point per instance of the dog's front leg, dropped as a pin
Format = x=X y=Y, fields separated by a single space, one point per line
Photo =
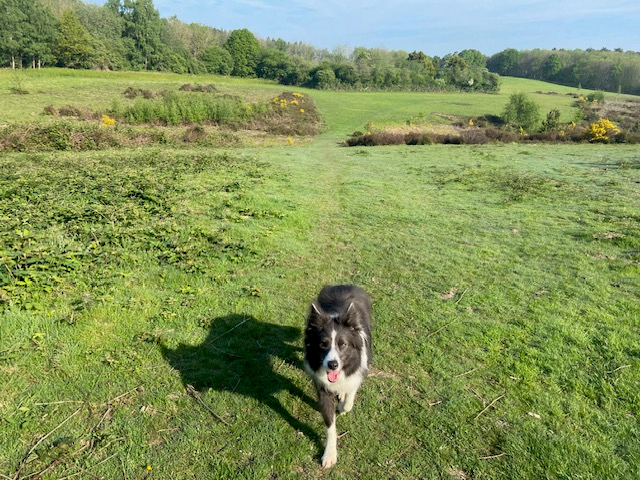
x=346 y=402
x=327 y=403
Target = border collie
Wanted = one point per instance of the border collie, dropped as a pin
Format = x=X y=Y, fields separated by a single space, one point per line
x=337 y=353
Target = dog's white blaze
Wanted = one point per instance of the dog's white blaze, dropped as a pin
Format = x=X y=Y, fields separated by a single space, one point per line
x=333 y=354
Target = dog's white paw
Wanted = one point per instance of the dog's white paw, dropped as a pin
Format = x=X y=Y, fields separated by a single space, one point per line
x=329 y=458
x=346 y=404
x=345 y=407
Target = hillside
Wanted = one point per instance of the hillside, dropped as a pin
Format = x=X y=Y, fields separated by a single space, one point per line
x=131 y=35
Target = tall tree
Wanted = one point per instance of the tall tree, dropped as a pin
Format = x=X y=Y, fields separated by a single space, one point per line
x=43 y=34
x=74 y=47
x=273 y=64
x=142 y=27
x=456 y=71
x=27 y=32
x=552 y=66
x=473 y=58
x=105 y=26
x=245 y=50
x=13 y=31
x=503 y=62
x=217 y=60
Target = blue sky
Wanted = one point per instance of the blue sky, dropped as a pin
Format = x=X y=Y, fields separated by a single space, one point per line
x=435 y=27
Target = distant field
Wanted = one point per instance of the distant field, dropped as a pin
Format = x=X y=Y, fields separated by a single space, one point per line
x=505 y=281
x=344 y=111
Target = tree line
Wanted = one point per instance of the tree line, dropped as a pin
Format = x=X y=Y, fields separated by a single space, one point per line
x=611 y=71
x=131 y=35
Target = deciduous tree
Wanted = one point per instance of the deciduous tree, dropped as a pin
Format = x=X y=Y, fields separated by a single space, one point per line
x=74 y=45
x=245 y=51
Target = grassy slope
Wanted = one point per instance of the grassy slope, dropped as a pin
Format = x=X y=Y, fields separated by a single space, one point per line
x=345 y=111
x=498 y=273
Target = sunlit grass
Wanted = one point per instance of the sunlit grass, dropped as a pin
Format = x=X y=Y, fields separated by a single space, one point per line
x=505 y=282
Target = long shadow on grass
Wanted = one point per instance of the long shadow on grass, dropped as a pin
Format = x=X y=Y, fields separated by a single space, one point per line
x=243 y=355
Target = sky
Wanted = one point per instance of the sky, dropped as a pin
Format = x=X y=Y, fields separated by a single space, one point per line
x=434 y=27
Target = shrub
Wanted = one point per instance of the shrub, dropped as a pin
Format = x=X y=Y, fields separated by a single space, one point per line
x=290 y=113
x=551 y=122
x=73 y=136
x=474 y=136
x=546 y=136
x=50 y=110
x=596 y=97
x=521 y=112
x=132 y=93
x=181 y=108
x=209 y=88
x=602 y=131
x=324 y=78
x=499 y=135
x=196 y=133
x=70 y=111
x=387 y=138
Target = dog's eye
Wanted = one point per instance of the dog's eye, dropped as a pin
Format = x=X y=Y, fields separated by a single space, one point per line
x=324 y=345
x=342 y=345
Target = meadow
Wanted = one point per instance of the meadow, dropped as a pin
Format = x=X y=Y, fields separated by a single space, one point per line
x=153 y=298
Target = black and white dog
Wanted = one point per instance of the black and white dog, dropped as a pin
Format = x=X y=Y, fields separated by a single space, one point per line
x=338 y=350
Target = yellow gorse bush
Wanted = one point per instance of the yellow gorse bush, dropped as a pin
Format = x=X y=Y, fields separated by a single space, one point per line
x=107 y=121
x=284 y=102
x=602 y=130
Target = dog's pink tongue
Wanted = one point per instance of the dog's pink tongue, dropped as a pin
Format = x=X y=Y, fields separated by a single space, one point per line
x=332 y=376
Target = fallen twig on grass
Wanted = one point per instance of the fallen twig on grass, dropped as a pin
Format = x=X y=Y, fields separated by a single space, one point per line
x=111 y=401
x=461 y=296
x=227 y=332
x=495 y=456
x=441 y=328
x=466 y=372
x=87 y=471
x=192 y=392
x=58 y=402
x=24 y=460
x=488 y=406
x=618 y=368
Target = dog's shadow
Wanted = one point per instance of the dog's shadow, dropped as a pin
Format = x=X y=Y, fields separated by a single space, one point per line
x=244 y=355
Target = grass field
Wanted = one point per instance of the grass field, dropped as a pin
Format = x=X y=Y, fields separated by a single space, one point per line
x=505 y=282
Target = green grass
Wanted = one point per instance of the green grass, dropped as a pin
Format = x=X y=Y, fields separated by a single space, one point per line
x=505 y=282
x=98 y=90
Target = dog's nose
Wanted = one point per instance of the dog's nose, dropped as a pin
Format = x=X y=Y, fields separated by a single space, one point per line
x=332 y=365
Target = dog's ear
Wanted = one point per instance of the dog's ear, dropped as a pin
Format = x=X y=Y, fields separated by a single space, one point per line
x=316 y=314
x=351 y=317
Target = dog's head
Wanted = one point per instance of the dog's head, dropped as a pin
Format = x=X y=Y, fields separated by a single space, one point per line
x=333 y=340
